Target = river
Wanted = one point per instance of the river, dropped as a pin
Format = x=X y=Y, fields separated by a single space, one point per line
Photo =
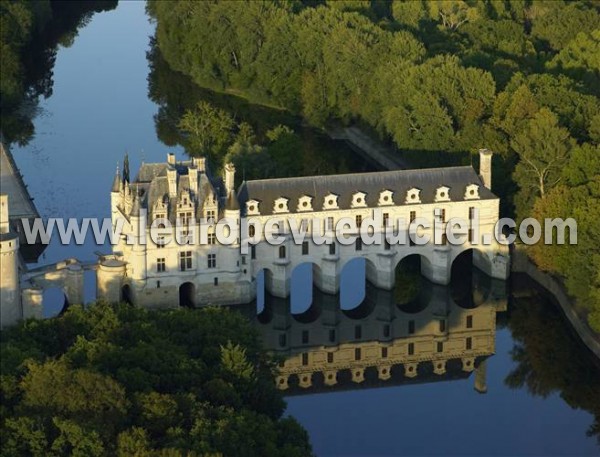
x=541 y=382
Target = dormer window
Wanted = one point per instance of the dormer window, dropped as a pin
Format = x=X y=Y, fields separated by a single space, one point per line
x=281 y=205
x=472 y=192
x=305 y=203
x=442 y=194
x=359 y=200
x=413 y=195
x=330 y=202
x=386 y=198
x=252 y=207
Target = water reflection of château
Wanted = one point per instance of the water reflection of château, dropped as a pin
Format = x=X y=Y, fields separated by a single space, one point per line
x=441 y=335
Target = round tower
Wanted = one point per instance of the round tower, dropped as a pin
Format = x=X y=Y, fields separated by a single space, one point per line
x=109 y=279
x=10 y=292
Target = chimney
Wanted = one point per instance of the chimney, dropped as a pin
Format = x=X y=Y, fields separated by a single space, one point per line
x=193 y=178
x=229 y=178
x=171 y=158
x=4 y=227
x=200 y=162
x=172 y=179
x=485 y=167
x=481 y=378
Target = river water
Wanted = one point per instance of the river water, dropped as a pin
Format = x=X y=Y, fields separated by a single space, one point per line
x=542 y=385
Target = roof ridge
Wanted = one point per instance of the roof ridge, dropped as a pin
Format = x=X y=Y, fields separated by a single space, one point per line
x=384 y=172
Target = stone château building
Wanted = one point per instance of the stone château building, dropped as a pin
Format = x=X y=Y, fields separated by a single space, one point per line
x=158 y=274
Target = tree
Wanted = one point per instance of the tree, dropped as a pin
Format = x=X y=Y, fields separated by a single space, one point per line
x=209 y=129
x=543 y=148
x=126 y=381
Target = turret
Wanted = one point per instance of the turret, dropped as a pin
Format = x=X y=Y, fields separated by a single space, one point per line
x=485 y=167
x=126 y=169
x=10 y=291
x=138 y=228
x=115 y=196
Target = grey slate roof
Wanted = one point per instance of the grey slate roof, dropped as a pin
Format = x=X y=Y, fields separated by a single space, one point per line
x=266 y=191
x=153 y=184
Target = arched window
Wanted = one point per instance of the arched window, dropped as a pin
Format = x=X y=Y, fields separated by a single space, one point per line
x=282 y=252
x=251 y=230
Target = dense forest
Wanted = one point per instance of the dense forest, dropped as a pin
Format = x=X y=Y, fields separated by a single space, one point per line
x=434 y=78
x=117 y=380
x=30 y=34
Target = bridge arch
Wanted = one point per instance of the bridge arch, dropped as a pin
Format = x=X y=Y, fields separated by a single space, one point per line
x=263 y=281
x=410 y=283
x=54 y=301
x=353 y=281
x=470 y=285
x=303 y=280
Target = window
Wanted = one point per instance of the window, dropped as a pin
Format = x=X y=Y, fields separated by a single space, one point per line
x=304 y=225
x=330 y=223
x=212 y=238
x=411 y=327
x=411 y=348
x=358 y=244
x=386 y=245
x=332 y=249
x=282 y=252
x=440 y=346
x=253 y=252
x=330 y=357
x=332 y=335
x=357 y=354
x=386 y=331
x=160 y=242
x=441 y=214
x=471 y=235
x=251 y=230
x=358 y=221
x=185 y=218
x=160 y=265
x=243 y=260
x=216 y=281
x=305 y=248
x=471 y=213
x=384 y=353
x=444 y=239
x=304 y=336
x=469 y=343
x=357 y=332
x=442 y=326
x=413 y=216
x=185 y=260
x=212 y=260
x=305 y=358
x=282 y=339
x=469 y=321
x=158 y=284
x=386 y=219
x=210 y=215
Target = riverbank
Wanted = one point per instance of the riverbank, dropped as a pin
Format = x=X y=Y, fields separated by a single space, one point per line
x=521 y=263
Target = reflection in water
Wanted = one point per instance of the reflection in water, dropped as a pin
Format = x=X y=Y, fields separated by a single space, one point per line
x=548 y=354
x=380 y=342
